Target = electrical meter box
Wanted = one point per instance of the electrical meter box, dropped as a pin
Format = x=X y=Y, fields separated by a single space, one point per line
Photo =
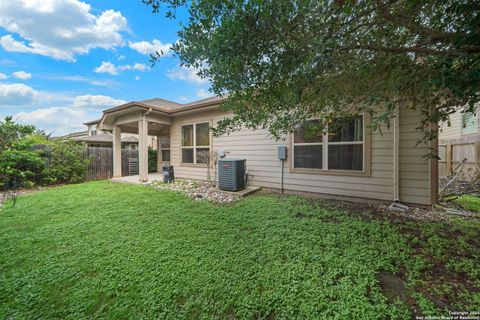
x=282 y=152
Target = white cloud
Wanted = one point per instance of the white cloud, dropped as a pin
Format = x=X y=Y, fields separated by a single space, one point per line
x=137 y=78
x=17 y=94
x=22 y=75
x=94 y=82
x=3 y=76
x=56 y=120
x=69 y=113
x=106 y=67
x=186 y=74
x=145 y=47
x=137 y=66
x=182 y=99
x=96 y=102
x=202 y=93
x=104 y=83
x=60 y=29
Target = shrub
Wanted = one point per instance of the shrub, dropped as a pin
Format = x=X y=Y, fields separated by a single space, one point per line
x=152 y=160
x=28 y=157
x=66 y=162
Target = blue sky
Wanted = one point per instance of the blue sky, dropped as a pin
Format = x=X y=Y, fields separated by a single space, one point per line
x=63 y=61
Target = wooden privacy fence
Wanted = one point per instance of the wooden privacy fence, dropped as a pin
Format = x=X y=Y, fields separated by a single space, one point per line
x=101 y=164
x=454 y=152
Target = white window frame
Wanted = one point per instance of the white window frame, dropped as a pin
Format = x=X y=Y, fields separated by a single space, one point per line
x=194 y=146
x=325 y=143
x=166 y=149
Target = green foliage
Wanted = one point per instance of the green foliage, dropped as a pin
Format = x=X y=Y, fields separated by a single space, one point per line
x=11 y=132
x=21 y=167
x=283 y=61
x=152 y=160
x=469 y=202
x=84 y=251
x=28 y=157
x=66 y=162
x=21 y=164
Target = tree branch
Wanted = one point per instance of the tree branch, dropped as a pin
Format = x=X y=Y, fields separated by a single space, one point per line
x=402 y=19
x=427 y=51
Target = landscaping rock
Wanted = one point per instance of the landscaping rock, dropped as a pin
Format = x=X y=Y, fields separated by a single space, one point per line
x=197 y=190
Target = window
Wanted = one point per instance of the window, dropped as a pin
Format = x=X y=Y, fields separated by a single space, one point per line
x=469 y=123
x=165 y=148
x=195 y=138
x=308 y=145
x=93 y=132
x=338 y=146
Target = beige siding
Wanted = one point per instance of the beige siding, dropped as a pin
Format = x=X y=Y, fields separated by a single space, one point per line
x=453 y=131
x=414 y=166
x=264 y=169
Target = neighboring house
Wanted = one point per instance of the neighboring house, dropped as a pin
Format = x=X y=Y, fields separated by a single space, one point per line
x=355 y=163
x=72 y=135
x=463 y=125
x=459 y=142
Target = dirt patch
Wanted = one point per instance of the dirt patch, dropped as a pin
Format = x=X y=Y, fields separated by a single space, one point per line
x=303 y=215
x=393 y=288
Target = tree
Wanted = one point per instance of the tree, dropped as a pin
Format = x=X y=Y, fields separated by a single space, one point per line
x=282 y=61
x=11 y=132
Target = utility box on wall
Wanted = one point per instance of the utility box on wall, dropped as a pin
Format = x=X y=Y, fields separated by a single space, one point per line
x=282 y=152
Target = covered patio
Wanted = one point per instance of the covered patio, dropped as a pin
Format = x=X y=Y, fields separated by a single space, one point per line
x=136 y=118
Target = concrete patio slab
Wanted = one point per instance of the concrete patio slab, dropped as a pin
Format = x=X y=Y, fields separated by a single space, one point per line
x=243 y=193
x=136 y=178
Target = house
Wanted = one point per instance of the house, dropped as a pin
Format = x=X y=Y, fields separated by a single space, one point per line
x=72 y=135
x=459 y=141
x=356 y=163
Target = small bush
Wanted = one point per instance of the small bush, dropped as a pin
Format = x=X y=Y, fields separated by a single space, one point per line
x=152 y=160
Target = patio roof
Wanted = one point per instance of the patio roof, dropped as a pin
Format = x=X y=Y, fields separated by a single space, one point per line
x=105 y=138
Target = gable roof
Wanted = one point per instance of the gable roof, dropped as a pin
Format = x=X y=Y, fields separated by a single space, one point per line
x=91 y=122
x=168 y=107
x=105 y=138
x=160 y=103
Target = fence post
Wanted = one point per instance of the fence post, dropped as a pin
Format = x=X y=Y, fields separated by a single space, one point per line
x=448 y=162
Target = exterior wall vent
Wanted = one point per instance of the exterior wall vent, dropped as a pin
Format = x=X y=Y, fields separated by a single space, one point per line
x=231 y=174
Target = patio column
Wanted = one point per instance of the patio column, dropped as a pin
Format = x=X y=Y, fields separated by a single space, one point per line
x=117 y=152
x=159 y=154
x=143 y=149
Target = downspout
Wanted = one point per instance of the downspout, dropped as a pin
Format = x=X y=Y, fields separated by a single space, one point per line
x=396 y=205
x=396 y=156
x=147 y=113
x=283 y=161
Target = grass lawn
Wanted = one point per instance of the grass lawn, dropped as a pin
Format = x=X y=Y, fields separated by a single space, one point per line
x=125 y=251
x=469 y=202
